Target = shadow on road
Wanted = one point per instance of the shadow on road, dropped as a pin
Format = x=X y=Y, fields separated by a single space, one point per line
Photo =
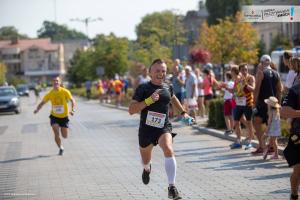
x=24 y=159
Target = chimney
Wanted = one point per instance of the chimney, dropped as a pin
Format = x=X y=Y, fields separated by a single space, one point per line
x=14 y=40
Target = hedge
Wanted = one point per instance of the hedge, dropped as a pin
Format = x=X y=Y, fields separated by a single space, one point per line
x=216 y=114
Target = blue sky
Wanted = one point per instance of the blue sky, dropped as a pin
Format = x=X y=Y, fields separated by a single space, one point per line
x=119 y=16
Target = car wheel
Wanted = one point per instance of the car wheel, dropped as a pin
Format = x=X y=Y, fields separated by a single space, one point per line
x=18 y=111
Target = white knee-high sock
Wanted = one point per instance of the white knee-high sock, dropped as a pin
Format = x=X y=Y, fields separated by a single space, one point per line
x=170 y=166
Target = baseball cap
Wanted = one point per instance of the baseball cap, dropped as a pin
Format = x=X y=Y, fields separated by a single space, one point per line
x=265 y=58
x=189 y=68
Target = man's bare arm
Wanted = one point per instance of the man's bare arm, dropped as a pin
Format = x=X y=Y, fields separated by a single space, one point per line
x=39 y=107
x=289 y=112
x=136 y=107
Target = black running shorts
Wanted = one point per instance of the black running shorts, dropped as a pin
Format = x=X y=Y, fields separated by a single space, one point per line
x=62 y=122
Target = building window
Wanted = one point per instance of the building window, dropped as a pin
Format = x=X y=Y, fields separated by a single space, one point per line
x=40 y=65
x=33 y=54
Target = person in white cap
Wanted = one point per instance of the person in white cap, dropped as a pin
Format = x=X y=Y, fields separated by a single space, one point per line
x=267 y=84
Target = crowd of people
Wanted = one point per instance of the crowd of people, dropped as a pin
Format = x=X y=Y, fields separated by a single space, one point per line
x=258 y=102
x=109 y=89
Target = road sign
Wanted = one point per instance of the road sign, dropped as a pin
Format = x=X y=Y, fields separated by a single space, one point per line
x=100 y=71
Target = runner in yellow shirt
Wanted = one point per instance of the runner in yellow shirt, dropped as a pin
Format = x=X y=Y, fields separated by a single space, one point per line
x=59 y=120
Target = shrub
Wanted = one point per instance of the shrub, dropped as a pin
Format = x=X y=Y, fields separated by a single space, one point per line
x=211 y=114
x=216 y=115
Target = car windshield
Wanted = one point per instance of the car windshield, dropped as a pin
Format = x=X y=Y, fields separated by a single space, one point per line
x=7 y=92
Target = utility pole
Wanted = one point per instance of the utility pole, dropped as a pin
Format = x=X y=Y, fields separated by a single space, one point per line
x=86 y=21
x=55 y=15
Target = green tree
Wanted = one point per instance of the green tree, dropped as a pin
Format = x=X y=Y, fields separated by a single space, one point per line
x=219 y=9
x=165 y=27
x=9 y=32
x=81 y=67
x=2 y=73
x=261 y=49
x=109 y=52
x=156 y=35
x=58 y=32
x=280 y=41
x=230 y=40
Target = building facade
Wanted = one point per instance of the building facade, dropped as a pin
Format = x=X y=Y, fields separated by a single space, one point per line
x=35 y=60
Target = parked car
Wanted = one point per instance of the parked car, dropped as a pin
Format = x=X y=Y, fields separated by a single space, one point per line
x=9 y=100
x=23 y=90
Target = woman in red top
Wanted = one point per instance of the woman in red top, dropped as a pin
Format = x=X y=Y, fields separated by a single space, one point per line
x=208 y=82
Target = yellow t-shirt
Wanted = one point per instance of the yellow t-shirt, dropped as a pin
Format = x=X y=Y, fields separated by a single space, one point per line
x=59 y=100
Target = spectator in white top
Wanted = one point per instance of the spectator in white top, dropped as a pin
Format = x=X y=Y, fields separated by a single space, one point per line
x=229 y=103
x=191 y=91
x=287 y=56
x=200 y=100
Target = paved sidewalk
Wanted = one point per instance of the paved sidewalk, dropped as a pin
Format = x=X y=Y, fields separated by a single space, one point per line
x=102 y=161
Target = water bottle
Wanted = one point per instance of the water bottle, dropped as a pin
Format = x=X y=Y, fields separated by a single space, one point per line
x=188 y=120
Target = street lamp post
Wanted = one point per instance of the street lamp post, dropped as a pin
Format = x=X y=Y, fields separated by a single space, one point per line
x=176 y=50
x=86 y=21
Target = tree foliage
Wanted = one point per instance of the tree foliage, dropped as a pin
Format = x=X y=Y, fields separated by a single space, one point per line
x=219 y=9
x=165 y=27
x=156 y=35
x=230 y=40
x=109 y=52
x=9 y=32
x=199 y=56
x=281 y=41
x=261 y=48
x=58 y=32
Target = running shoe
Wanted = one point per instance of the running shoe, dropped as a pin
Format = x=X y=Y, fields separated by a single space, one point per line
x=173 y=193
x=146 y=176
x=257 y=151
x=236 y=145
x=245 y=141
x=294 y=197
x=61 y=152
x=248 y=146
x=228 y=132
